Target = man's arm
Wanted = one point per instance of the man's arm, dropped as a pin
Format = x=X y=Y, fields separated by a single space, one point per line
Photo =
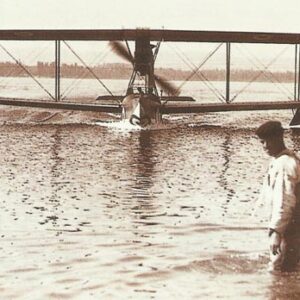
x=284 y=200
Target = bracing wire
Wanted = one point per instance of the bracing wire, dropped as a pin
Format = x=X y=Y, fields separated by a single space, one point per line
x=12 y=72
x=258 y=75
x=201 y=76
x=88 y=68
x=256 y=62
x=83 y=74
x=31 y=75
x=75 y=82
x=204 y=79
x=200 y=66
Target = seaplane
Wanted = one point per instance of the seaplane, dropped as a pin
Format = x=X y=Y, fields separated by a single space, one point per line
x=144 y=104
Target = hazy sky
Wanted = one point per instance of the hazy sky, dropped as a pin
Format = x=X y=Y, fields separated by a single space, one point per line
x=234 y=15
x=254 y=15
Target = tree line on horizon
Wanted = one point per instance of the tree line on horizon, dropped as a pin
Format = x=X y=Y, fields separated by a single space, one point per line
x=123 y=71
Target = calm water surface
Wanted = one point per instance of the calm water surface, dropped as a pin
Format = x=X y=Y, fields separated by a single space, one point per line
x=90 y=212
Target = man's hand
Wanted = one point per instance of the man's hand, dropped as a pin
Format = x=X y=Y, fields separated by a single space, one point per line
x=275 y=241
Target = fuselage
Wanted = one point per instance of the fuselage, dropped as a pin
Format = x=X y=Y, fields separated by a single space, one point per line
x=141 y=109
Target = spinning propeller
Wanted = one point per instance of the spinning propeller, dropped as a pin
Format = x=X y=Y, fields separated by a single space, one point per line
x=119 y=48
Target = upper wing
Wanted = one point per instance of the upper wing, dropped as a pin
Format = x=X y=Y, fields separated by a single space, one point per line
x=152 y=34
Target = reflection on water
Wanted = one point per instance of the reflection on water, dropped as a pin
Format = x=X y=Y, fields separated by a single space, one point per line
x=226 y=167
x=143 y=159
x=55 y=177
x=91 y=213
x=141 y=156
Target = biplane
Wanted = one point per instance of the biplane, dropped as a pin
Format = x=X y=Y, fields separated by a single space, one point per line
x=143 y=104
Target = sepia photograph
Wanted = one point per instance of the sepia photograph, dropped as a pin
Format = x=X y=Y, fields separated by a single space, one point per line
x=150 y=149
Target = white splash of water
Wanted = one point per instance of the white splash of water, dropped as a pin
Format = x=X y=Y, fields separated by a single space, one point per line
x=126 y=126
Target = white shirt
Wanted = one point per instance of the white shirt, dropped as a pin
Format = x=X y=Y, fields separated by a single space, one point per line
x=279 y=189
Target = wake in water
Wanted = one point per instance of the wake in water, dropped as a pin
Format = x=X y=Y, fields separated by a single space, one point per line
x=246 y=263
x=126 y=126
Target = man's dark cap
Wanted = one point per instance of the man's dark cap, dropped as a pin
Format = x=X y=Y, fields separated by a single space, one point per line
x=269 y=129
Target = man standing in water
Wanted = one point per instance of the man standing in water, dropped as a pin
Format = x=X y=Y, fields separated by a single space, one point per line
x=281 y=190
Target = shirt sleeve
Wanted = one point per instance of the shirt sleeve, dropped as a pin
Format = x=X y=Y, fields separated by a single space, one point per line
x=283 y=188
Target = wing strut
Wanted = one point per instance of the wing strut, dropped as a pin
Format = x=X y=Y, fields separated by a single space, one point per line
x=57 y=70
x=298 y=90
x=228 y=50
x=156 y=50
x=128 y=48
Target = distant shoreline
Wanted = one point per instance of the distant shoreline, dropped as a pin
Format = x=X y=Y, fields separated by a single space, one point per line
x=119 y=71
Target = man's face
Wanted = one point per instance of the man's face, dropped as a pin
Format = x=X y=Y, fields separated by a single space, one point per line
x=270 y=145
